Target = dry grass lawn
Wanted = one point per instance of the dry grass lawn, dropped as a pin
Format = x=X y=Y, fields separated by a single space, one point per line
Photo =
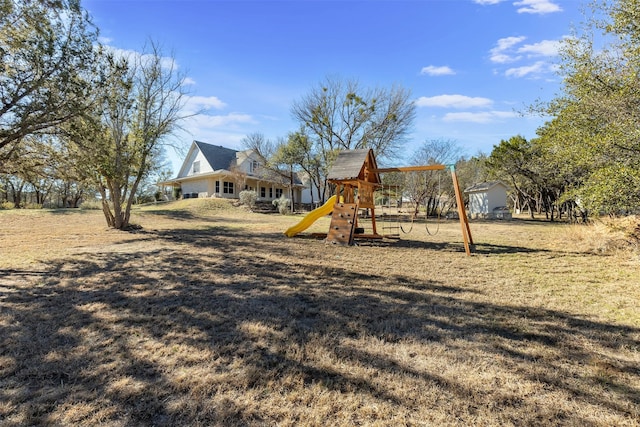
x=210 y=316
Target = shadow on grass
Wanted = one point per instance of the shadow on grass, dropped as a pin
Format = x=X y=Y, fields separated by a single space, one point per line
x=70 y=211
x=493 y=249
x=180 y=214
x=481 y=248
x=234 y=328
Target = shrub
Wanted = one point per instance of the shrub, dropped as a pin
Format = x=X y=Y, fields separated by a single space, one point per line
x=248 y=198
x=33 y=206
x=7 y=205
x=605 y=236
x=283 y=205
x=91 y=205
x=177 y=193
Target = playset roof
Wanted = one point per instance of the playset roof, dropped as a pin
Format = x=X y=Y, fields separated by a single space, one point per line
x=354 y=165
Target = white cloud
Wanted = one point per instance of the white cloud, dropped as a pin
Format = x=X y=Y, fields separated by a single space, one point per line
x=528 y=70
x=508 y=42
x=480 y=117
x=537 y=6
x=197 y=103
x=543 y=48
x=453 y=101
x=207 y=121
x=509 y=50
x=502 y=53
x=502 y=58
x=166 y=62
x=201 y=121
x=133 y=56
x=121 y=53
x=188 y=81
x=433 y=70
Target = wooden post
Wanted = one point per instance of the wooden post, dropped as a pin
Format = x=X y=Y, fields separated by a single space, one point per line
x=464 y=221
x=373 y=221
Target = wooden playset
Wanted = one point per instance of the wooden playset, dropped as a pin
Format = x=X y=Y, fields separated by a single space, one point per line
x=356 y=176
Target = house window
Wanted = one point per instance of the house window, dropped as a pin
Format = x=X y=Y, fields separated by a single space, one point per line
x=227 y=187
x=218 y=187
x=253 y=166
x=263 y=192
x=196 y=167
x=278 y=193
x=271 y=192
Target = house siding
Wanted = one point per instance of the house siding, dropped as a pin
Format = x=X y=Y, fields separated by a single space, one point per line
x=485 y=202
x=196 y=156
x=196 y=186
x=497 y=197
x=244 y=160
x=478 y=203
x=482 y=203
x=216 y=165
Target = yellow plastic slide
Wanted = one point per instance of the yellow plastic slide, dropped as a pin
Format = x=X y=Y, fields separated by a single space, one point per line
x=312 y=217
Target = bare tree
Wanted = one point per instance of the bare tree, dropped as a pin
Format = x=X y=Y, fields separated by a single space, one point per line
x=429 y=188
x=275 y=163
x=119 y=143
x=343 y=115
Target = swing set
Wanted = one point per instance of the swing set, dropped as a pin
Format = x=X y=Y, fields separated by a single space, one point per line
x=356 y=176
x=392 y=225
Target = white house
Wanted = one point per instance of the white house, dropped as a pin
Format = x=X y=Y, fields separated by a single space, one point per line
x=488 y=200
x=215 y=171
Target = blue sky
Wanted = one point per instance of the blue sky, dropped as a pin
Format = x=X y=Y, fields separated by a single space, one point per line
x=472 y=65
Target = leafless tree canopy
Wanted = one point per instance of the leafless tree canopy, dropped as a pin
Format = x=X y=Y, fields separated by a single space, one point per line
x=343 y=115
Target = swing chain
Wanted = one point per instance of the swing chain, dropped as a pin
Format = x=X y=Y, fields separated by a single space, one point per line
x=426 y=213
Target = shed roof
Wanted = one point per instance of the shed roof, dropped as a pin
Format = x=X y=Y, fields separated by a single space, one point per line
x=485 y=186
x=350 y=165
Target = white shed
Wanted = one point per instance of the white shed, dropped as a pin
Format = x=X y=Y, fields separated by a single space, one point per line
x=488 y=200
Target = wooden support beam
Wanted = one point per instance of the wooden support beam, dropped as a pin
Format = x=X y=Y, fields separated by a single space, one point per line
x=347 y=188
x=464 y=221
x=411 y=169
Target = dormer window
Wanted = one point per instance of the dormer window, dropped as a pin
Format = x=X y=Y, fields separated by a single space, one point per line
x=253 y=166
x=196 y=167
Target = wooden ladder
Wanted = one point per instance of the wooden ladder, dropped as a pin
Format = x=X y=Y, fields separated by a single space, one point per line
x=391 y=229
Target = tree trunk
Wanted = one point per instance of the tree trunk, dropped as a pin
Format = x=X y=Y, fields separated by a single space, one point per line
x=106 y=210
x=16 y=193
x=293 y=202
x=76 y=199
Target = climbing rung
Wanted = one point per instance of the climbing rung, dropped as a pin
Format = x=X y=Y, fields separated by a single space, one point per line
x=342 y=224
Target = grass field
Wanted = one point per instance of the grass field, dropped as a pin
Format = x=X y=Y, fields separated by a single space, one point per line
x=210 y=316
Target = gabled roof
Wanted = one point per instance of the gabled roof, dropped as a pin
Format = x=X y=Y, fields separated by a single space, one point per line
x=273 y=176
x=219 y=157
x=484 y=186
x=349 y=165
x=222 y=159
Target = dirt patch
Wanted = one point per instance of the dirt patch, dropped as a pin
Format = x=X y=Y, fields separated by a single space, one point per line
x=213 y=317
